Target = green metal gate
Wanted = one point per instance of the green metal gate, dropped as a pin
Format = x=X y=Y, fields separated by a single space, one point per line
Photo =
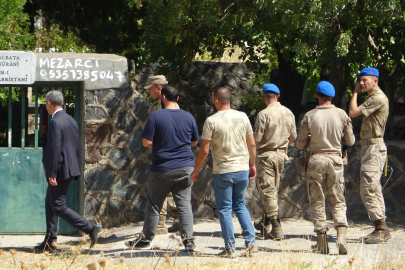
x=22 y=179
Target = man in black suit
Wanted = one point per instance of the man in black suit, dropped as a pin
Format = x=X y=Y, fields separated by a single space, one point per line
x=61 y=149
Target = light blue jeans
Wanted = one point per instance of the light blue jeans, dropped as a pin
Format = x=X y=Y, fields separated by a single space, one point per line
x=230 y=194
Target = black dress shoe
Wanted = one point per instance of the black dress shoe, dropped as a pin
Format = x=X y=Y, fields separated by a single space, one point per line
x=46 y=245
x=94 y=234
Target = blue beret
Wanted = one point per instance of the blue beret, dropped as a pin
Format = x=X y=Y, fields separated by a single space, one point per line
x=269 y=87
x=369 y=72
x=326 y=88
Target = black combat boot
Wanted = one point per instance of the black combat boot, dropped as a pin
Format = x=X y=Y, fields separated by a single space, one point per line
x=263 y=224
x=276 y=232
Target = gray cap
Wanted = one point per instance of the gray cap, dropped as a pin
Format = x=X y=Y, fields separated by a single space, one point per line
x=158 y=79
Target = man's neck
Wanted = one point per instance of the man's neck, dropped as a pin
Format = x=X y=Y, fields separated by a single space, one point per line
x=55 y=109
x=325 y=103
x=224 y=107
x=369 y=92
x=171 y=105
x=271 y=101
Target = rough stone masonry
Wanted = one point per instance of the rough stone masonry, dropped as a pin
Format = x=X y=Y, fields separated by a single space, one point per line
x=117 y=165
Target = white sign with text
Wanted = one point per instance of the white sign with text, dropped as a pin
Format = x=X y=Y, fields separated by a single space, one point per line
x=103 y=71
x=16 y=67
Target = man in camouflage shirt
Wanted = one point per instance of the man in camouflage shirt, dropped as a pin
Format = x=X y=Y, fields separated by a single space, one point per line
x=373 y=150
x=328 y=127
x=274 y=130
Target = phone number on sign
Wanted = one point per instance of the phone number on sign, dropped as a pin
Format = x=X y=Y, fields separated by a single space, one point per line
x=77 y=74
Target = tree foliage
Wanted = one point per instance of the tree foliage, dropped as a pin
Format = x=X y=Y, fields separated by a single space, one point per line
x=331 y=40
x=105 y=26
x=14 y=26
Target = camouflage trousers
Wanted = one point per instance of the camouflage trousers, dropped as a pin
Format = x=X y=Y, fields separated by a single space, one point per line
x=325 y=177
x=372 y=164
x=168 y=205
x=269 y=166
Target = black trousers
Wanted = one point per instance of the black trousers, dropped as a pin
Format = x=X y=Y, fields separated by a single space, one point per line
x=55 y=207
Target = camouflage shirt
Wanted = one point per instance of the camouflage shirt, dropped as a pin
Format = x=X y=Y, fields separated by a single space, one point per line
x=274 y=125
x=328 y=126
x=375 y=110
x=227 y=132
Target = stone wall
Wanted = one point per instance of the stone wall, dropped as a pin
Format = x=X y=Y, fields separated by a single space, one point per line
x=117 y=165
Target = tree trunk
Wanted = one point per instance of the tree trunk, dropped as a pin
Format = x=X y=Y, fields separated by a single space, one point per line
x=291 y=85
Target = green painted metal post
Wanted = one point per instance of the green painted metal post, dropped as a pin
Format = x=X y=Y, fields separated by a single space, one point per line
x=23 y=98
x=10 y=117
x=64 y=98
x=36 y=117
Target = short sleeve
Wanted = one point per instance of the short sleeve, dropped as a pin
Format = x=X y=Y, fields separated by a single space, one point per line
x=149 y=130
x=208 y=130
x=369 y=106
x=348 y=136
x=259 y=130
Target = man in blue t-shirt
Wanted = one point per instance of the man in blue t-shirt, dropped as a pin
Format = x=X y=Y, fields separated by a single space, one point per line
x=170 y=133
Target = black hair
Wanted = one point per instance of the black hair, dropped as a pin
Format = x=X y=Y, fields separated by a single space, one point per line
x=170 y=92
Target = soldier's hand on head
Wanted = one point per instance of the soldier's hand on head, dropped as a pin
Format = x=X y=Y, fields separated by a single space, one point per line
x=252 y=172
x=357 y=89
x=194 y=176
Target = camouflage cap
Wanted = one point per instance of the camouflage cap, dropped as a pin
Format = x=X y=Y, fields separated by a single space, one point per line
x=158 y=79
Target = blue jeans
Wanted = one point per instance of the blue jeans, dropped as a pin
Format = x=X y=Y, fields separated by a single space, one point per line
x=230 y=194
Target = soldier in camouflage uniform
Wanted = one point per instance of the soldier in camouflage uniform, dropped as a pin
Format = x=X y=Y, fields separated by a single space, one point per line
x=154 y=87
x=274 y=130
x=327 y=127
x=374 y=151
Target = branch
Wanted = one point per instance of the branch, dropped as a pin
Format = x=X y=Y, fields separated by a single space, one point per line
x=226 y=14
x=374 y=47
x=394 y=67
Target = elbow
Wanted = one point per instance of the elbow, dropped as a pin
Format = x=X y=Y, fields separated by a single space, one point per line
x=205 y=153
x=300 y=146
x=353 y=113
x=291 y=140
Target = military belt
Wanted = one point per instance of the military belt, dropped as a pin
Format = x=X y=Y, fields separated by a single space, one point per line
x=371 y=141
x=325 y=153
x=263 y=150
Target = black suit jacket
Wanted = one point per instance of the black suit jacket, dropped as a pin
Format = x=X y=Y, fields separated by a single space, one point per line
x=61 y=148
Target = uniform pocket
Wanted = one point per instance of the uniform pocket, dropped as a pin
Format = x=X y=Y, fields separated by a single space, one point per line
x=369 y=168
x=337 y=161
x=369 y=178
x=383 y=148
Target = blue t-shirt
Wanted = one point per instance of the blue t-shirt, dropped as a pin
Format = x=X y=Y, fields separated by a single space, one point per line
x=171 y=131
